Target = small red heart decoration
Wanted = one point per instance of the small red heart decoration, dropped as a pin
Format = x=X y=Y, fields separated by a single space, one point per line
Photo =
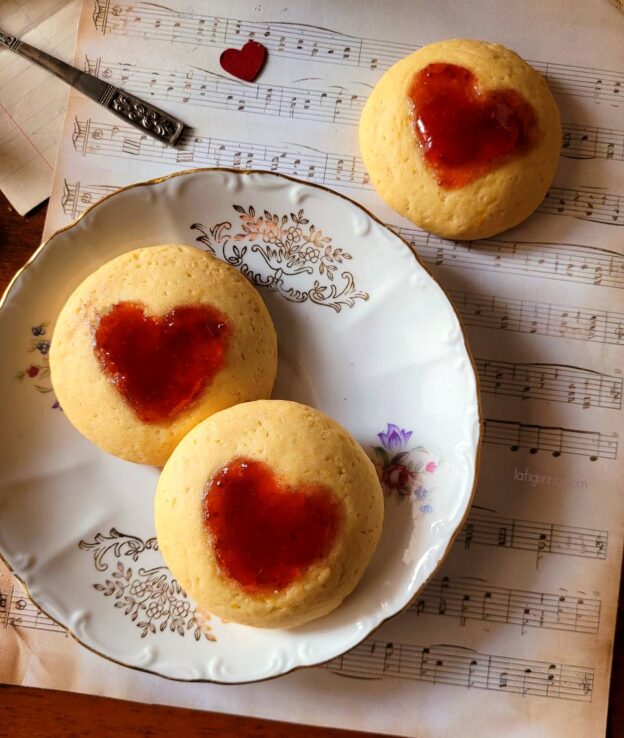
x=160 y=364
x=245 y=63
x=463 y=132
x=265 y=533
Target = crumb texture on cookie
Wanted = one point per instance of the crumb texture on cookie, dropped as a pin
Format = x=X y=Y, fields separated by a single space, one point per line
x=194 y=338
x=503 y=193
x=307 y=454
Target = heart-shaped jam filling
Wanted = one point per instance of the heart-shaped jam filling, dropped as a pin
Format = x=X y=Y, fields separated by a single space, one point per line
x=465 y=133
x=160 y=364
x=264 y=533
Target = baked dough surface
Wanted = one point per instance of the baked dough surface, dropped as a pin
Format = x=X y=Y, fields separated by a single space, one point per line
x=302 y=446
x=488 y=205
x=160 y=278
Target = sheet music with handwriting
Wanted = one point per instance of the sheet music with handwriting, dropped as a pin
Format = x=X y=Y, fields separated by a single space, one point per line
x=513 y=636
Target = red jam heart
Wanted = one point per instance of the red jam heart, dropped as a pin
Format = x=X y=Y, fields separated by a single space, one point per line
x=161 y=364
x=463 y=132
x=264 y=533
x=245 y=63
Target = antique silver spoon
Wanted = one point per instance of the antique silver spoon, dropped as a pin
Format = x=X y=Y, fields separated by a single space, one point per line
x=147 y=118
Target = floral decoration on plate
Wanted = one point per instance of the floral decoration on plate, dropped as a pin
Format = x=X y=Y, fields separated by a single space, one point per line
x=38 y=370
x=150 y=594
x=404 y=471
x=291 y=248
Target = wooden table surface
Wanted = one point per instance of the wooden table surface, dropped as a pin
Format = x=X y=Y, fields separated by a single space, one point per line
x=40 y=713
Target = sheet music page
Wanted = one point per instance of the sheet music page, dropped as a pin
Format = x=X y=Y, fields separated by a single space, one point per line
x=514 y=635
x=32 y=101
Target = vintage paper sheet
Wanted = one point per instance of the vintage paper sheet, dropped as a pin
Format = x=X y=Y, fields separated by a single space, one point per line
x=32 y=102
x=516 y=631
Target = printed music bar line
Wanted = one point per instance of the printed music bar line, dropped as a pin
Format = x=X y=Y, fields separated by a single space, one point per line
x=557 y=261
x=540 y=318
x=553 y=382
x=463 y=667
x=565 y=262
x=466 y=598
x=19 y=611
x=488 y=528
x=312 y=43
x=552 y=439
x=104 y=139
x=200 y=87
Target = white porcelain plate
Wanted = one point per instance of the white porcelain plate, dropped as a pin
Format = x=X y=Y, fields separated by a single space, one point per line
x=365 y=334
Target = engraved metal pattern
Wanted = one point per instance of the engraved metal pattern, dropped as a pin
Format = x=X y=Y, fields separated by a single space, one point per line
x=153 y=120
x=9 y=41
x=107 y=95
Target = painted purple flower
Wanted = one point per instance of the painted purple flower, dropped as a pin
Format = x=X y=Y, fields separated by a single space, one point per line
x=395 y=438
x=426 y=509
x=38 y=330
x=43 y=347
x=421 y=492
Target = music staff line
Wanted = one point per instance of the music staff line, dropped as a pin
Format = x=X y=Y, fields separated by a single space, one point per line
x=557 y=261
x=375 y=659
x=464 y=667
x=488 y=528
x=553 y=382
x=552 y=439
x=482 y=311
x=467 y=598
x=335 y=105
x=105 y=139
x=204 y=88
x=312 y=43
x=18 y=610
x=539 y=318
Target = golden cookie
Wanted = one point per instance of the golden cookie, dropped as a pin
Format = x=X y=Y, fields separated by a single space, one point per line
x=155 y=341
x=268 y=513
x=461 y=137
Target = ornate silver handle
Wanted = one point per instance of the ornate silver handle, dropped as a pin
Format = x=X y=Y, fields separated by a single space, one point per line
x=144 y=116
x=141 y=114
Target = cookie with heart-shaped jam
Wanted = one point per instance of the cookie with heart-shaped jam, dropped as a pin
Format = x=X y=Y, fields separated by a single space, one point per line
x=268 y=513
x=461 y=137
x=154 y=342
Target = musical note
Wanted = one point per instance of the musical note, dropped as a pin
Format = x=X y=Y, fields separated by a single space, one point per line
x=464 y=667
x=19 y=611
x=526 y=678
x=560 y=261
x=553 y=382
x=525 y=316
x=555 y=440
x=585 y=203
x=298 y=41
x=467 y=598
x=444 y=584
x=483 y=529
x=468 y=535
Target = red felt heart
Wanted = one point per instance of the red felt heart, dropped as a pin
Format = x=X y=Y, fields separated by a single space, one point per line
x=245 y=63
x=465 y=133
x=161 y=364
x=265 y=533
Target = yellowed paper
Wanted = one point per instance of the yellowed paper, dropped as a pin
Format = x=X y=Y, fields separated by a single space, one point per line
x=32 y=102
x=514 y=635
